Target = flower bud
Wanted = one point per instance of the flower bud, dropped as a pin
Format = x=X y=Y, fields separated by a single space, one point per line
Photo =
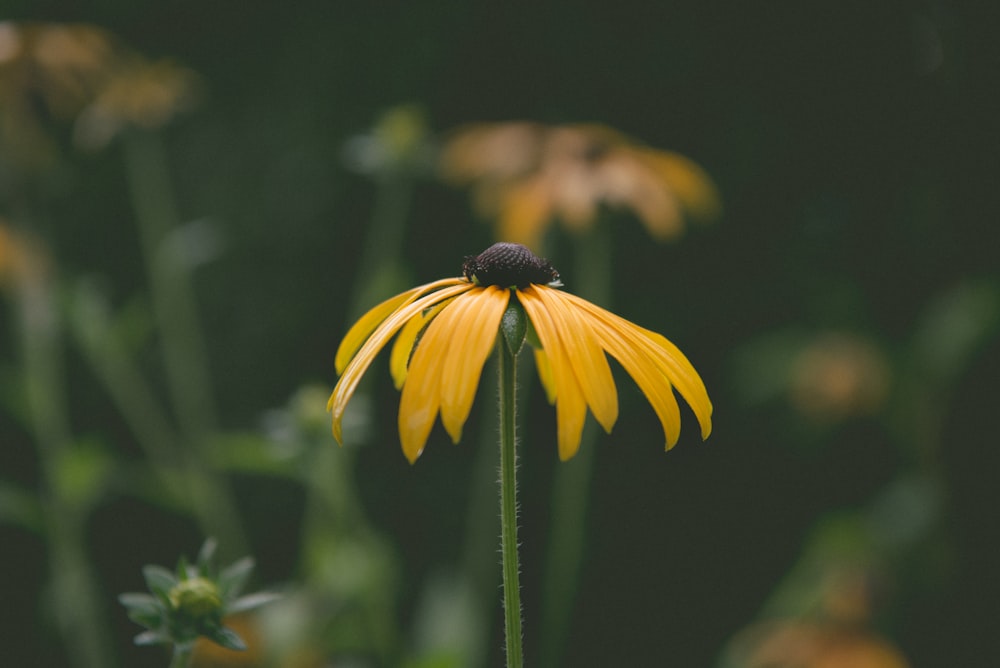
x=197 y=597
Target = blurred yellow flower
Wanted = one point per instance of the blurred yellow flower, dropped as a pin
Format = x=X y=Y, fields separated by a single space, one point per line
x=22 y=260
x=839 y=375
x=527 y=175
x=802 y=644
x=46 y=71
x=207 y=654
x=446 y=329
x=60 y=64
x=140 y=93
x=397 y=142
x=6 y=250
x=78 y=72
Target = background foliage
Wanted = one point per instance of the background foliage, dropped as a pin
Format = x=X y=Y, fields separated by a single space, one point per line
x=855 y=150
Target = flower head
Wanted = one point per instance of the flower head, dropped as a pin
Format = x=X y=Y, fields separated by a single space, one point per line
x=527 y=175
x=445 y=330
x=139 y=93
x=193 y=601
x=48 y=71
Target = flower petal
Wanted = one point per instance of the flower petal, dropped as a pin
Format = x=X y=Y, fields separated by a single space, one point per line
x=571 y=407
x=654 y=384
x=360 y=362
x=585 y=355
x=402 y=347
x=421 y=398
x=422 y=393
x=473 y=333
x=366 y=324
x=525 y=210
x=670 y=361
x=684 y=377
x=690 y=183
x=545 y=374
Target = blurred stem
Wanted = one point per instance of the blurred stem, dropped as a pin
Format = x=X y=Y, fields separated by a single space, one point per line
x=508 y=505
x=572 y=480
x=170 y=282
x=75 y=594
x=334 y=517
x=106 y=353
x=481 y=528
x=181 y=657
x=183 y=347
x=384 y=240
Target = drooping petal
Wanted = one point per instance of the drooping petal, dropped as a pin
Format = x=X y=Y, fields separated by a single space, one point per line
x=366 y=324
x=571 y=407
x=544 y=369
x=685 y=379
x=360 y=362
x=474 y=333
x=667 y=358
x=402 y=347
x=421 y=397
x=422 y=393
x=653 y=384
x=585 y=355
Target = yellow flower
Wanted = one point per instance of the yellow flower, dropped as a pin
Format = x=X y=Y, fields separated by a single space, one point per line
x=47 y=71
x=139 y=93
x=527 y=175
x=23 y=262
x=446 y=329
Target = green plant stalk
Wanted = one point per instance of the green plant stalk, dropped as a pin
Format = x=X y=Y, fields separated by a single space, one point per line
x=170 y=282
x=76 y=597
x=334 y=516
x=108 y=356
x=572 y=480
x=508 y=504
x=183 y=347
x=383 y=241
x=181 y=657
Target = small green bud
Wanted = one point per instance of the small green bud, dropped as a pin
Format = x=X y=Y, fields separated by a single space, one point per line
x=514 y=325
x=197 y=598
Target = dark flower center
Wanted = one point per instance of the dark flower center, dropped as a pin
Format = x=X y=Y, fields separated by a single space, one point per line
x=508 y=265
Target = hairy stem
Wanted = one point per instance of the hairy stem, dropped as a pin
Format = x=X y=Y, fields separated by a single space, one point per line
x=508 y=505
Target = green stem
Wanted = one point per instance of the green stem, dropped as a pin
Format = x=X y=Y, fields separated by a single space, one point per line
x=572 y=480
x=508 y=505
x=185 y=356
x=170 y=283
x=383 y=242
x=76 y=594
x=182 y=656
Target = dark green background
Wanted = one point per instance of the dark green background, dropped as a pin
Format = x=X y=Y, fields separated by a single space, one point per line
x=859 y=178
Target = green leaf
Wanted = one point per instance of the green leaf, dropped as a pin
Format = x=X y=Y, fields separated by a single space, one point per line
x=205 y=556
x=251 y=601
x=20 y=507
x=159 y=580
x=234 y=577
x=139 y=602
x=253 y=453
x=152 y=638
x=151 y=620
x=227 y=638
x=186 y=571
x=81 y=473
